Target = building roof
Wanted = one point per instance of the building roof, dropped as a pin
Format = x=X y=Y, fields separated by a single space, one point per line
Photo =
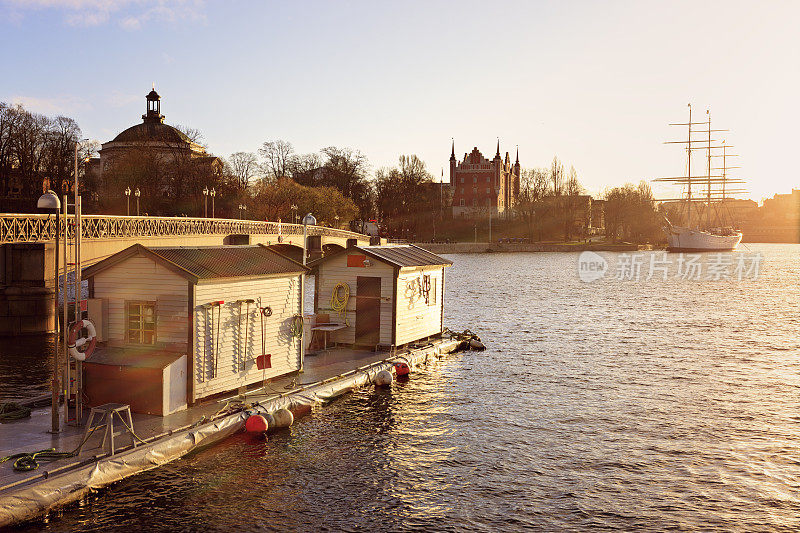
x=208 y=262
x=407 y=255
x=152 y=131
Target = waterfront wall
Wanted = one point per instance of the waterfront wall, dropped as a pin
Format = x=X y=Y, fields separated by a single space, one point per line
x=490 y=247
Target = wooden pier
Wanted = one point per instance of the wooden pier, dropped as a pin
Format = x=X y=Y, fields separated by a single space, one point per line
x=27 y=495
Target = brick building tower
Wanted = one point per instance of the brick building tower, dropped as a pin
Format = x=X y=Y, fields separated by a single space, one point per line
x=481 y=186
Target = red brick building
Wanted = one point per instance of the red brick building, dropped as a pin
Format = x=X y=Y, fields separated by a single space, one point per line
x=481 y=186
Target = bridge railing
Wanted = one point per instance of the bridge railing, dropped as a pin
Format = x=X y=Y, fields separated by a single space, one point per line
x=42 y=228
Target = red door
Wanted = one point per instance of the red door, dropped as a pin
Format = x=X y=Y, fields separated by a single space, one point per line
x=368 y=310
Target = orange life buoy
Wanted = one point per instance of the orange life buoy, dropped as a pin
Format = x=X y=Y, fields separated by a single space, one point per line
x=75 y=342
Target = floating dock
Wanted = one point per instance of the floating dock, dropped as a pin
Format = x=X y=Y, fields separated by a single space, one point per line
x=27 y=495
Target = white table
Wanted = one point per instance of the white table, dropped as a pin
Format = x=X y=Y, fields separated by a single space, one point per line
x=326 y=327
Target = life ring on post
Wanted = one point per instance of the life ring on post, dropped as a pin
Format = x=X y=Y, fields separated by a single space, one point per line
x=75 y=342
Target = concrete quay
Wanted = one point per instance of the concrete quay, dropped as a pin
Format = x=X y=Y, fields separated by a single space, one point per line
x=492 y=247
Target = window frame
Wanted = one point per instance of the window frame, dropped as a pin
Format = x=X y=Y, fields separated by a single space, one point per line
x=141 y=304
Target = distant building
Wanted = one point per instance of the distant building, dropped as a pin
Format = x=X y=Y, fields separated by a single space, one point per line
x=783 y=208
x=153 y=140
x=480 y=186
x=598 y=220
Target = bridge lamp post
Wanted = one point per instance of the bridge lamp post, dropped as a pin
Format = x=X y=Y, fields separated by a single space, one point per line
x=294 y=213
x=128 y=201
x=242 y=208
x=137 y=193
x=212 y=193
x=308 y=220
x=205 y=202
x=49 y=203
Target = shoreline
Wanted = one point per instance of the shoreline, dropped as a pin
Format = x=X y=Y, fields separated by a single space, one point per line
x=494 y=247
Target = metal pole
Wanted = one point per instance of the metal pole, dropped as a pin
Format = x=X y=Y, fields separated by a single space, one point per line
x=205 y=205
x=212 y=207
x=78 y=311
x=65 y=323
x=302 y=299
x=56 y=386
x=128 y=204
x=77 y=258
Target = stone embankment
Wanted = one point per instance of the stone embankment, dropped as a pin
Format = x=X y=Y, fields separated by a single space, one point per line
x=490 y=247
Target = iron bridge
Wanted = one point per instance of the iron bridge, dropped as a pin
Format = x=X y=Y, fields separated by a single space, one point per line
x=33 y=228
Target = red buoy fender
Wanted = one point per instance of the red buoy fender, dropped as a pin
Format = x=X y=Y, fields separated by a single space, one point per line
x=256 y=424
x=75 y=342
x=402 y=369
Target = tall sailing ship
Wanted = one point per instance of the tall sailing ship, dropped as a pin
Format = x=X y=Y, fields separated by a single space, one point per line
x=706 y=226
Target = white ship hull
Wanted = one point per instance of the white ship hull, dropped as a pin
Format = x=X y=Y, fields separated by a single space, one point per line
x=693 y=240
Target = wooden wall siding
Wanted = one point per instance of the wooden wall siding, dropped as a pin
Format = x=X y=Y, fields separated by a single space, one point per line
x=236 y=363
x=142 y=279
x=335 y=271
x=415 y=319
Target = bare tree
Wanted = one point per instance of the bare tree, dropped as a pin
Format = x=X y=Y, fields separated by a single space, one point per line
x=574 y=214
x=193 y=134
x=346 y=169
x=557 y=176
x=630 y=214
x=306 y=169
x=535 y=187
x=277 y=158
x=244 y=167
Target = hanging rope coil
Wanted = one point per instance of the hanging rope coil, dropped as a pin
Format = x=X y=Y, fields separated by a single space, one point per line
x=339 y=297
x=296 y=327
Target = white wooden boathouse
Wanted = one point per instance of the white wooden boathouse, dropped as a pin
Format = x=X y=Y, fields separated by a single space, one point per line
x=182 y=323
x=395 y=294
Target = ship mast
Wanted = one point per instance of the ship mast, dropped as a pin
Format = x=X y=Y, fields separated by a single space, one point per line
x=689 y=174
x=724 y=170
x=709 y=180
x=708 y=192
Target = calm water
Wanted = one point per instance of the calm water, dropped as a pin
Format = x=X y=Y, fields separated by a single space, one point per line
x=611 y=405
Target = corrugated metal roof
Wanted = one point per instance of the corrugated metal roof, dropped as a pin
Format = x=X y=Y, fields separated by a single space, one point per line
x=405 y=255
x=207 y=262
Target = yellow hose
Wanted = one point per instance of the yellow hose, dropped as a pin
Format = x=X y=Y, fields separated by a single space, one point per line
x=339 y=297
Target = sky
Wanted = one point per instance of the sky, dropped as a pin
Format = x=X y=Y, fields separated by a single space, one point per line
x=594 y=83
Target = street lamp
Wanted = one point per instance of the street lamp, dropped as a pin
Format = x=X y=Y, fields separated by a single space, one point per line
x=137 y=193
x=242 y=207
x=294 y=214
x=336 y=218
x=213 y=193
x=205 y=202
x=308 y=220
x=128 y=200
x=49 y=203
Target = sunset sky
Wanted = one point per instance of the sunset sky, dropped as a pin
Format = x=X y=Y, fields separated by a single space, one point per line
x=595 y=83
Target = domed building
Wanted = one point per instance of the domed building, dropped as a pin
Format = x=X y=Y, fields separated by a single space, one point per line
x=153 y=155
x=153 y=134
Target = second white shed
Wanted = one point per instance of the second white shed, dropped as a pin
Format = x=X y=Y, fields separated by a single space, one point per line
x=394 y=294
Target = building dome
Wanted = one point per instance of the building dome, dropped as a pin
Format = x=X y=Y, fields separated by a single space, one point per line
x=152 y=131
